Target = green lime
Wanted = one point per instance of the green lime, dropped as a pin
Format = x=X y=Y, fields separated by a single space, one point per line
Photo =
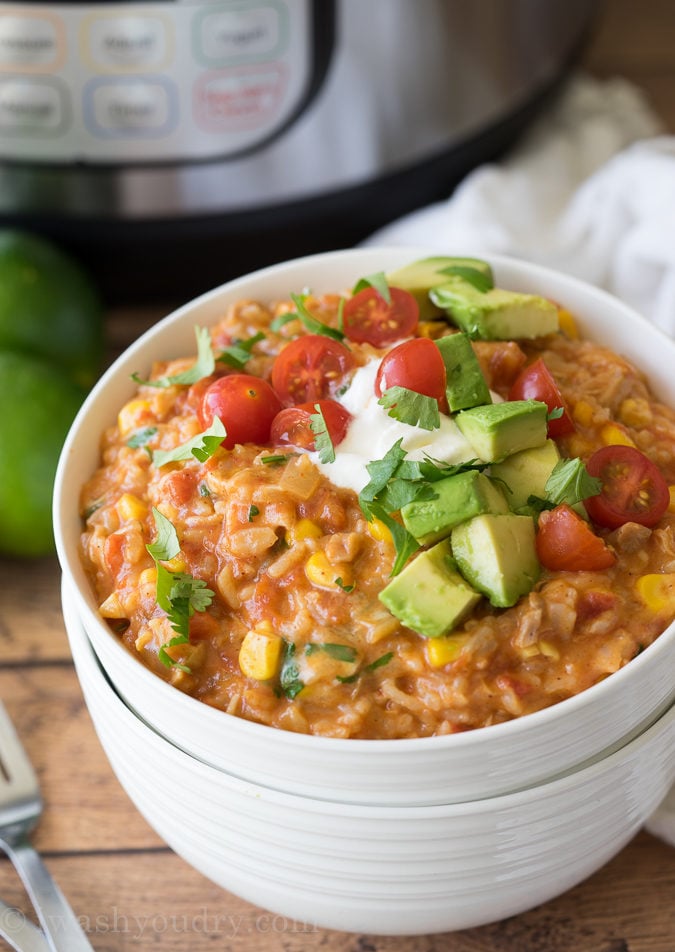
x=39 y=403
x=49 y=306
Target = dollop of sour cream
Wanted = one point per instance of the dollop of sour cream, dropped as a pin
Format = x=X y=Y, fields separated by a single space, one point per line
x=372 y=432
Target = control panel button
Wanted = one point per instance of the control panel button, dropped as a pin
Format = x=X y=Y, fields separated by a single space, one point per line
x=239 y=97
x=32 y=107
x=121 y=43
x=134 y=108
x=31 y=42
x=225 y=36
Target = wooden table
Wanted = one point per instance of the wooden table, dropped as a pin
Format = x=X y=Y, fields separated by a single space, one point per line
x=130 y=890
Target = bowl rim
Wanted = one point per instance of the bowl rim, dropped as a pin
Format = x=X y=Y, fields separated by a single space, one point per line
x=71 y=566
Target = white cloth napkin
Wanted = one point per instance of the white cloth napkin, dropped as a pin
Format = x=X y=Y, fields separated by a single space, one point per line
x=589 y=190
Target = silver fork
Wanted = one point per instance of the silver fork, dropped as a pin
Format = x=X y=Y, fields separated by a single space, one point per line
x=20 y=810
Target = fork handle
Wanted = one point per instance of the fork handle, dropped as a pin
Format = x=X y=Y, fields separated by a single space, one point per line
x=60 y=925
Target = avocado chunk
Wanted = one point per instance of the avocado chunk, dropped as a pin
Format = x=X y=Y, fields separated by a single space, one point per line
x=525 y=473
x=500 y=429
x=419 y=277
x=465 y=384
x=429 y=595
x=495 y=314
x=458 y=498
x=496 y=554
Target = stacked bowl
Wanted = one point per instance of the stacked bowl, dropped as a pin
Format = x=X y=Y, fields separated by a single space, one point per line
x=379 y=836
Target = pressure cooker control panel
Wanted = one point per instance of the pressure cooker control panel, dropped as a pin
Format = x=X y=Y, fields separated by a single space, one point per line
x=129 y=83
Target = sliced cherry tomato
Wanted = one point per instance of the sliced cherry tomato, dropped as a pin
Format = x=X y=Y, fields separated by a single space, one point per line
x=369 y=319
x=565 y=542
x=292 y=424
x=633 y=489
x=536 y=382
x=246 y=405
x=417 y=365
x=310 y=368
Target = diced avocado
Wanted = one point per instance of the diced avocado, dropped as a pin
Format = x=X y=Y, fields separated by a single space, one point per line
x=419 y=277
x=466 y=386
x=458 y=498
x=525 y=473
x=429 y=595
x=496 y=554
x=497 y=430
x=496 y=314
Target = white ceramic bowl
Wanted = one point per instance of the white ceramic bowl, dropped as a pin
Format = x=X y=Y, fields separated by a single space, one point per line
x=436 y=770
x=370 y=869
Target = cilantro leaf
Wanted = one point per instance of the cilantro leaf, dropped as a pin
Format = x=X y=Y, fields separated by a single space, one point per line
x=202 y=446
x=341 y=584
x=202 y=367
x=141 y=437
x=313 y=324
x=239 y=353
x=322 y=439
x=166 y=545
x=377 y=663
x=570 y=483
x=476 y=278
x=376 y=281
x=253 y=511
x=404 y=542
x=276 y=459
x=282 y=320
x=333 y=649
x=289 y=676
x=179 y=594
x=411 y=407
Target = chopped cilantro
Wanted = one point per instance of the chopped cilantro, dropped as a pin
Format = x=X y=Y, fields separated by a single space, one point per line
x=204 y=490
x=322 y=439
x=253 y=511
x=568 y=483
x=334 y=650
x=202 y=367
x=239 y=353
x=378 y=663
x=179 y=594
x=410 y=407
x=91 y=509
x=556 y=413
x=376 y=281
x=141 y=437
x=276 y=459
x=345 y=588
x=311 y=323
x=282 y=320
x=289 y=676
x=201 y=447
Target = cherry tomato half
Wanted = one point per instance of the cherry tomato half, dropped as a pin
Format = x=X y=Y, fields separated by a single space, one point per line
x=292 y=424
x=310 y=368
x=417 y=365
x=246 y=405
x=565 y=542
x=633 y=489
x=368 y=319
x=536 y=382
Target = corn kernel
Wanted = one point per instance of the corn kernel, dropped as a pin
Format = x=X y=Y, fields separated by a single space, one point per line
x=657 y=591
x=131 y=507
x=431 y=329
x=379 y=531
x=583 y=412
x=579 y=445
x=324 y=574
x=671 y=504
x=613 y=435
x=441 y=651
x=303 y=529
x=176 y=564
x=546 y=648
x=635 y=412
x=131 y=415
x=148 y=577
x=567 y=323
x=530 y=651
x=260 y=653
x=112 y=607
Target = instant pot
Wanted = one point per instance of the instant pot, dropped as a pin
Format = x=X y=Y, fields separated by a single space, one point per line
x=175 y=144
